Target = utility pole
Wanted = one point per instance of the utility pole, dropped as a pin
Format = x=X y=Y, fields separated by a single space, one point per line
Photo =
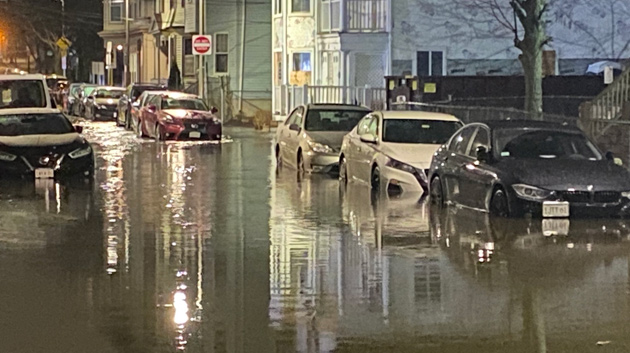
x=64 y=53
x=127 y=78
x=202 y=62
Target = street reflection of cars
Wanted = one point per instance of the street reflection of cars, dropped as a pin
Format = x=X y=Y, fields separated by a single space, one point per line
x=512 y=168
x=392 y=150
x=130 y=101
x=176 y=115
x=43 y=146
x=310 y=138
x=102 y=103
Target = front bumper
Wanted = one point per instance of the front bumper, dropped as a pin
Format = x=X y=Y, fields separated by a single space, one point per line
x=64 y=167
x=105 y=114
x=621 y=208
x=399 y=181
x=321 y=162
x=187 y=130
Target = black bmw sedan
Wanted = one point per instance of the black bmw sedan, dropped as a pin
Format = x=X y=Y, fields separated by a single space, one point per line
x=43 y=145
x=513 y=168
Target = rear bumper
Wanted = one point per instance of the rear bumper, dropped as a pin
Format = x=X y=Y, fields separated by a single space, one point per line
x=105 y=115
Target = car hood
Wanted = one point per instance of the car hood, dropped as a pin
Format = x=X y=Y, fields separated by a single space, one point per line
x=184 y=114
x=106 y=101
x=40 y=140
x=416 y=154
x=332 y=139
x=562 y=174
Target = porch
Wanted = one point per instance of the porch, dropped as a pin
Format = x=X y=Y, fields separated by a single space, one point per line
x=286 y=97
x=353 y=16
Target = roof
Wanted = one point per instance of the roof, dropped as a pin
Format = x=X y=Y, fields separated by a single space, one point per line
x=110 y=88
x=420 y=115
x=22 y=77
x=520 y=124
x=337 y=107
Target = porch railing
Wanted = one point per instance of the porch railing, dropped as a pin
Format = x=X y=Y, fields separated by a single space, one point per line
x=605 y=110
x=353 y=16
x=287 y=98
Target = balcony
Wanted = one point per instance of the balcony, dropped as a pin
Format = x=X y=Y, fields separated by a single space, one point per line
x=353 y=16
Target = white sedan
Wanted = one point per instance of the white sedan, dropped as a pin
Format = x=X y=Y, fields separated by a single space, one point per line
x=392 y=150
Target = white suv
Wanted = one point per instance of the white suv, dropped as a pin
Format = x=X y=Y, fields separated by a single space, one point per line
x=20 y=92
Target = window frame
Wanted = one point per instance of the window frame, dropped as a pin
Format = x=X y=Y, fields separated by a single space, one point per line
x=121 y=5
x=473 y=153
x=310 y=7
x=217 y=53
x=368 y=119
x=430 y=62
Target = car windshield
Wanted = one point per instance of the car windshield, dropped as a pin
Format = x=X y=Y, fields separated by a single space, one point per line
x=74 y=90
x=136 y=92
x=88 y=90
x=333 y=120
x=109 y=93
x=183 y=103
x=34 y=124
x=433 y=132
x=22 y=94
x=544 y=144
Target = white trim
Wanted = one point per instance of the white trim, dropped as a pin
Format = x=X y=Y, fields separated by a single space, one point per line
x=301 y=13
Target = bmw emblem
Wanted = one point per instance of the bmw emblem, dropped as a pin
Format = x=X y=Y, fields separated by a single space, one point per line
x=44 y=160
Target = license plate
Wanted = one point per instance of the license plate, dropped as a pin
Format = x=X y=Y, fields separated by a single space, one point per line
x=555 y=209
x=194 y=135
x=115 y=115
x=558 y=227
x=44 y=173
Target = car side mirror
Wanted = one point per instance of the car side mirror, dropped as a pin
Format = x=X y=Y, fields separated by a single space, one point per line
x=611 y=157
x=294 y=127
x=482 y=154
x=368 y=138
x=78 y=129
x=151 y=107
x=214 y=110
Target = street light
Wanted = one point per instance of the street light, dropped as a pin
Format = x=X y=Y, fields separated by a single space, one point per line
x=119 y=47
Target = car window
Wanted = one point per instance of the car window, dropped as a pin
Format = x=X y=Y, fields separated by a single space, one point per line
x=183 y=103
x=544 y=144
x=462 y=141
x=22 y=94
x=332 y=119
x=109 y=93
x=373 y=128
x=364 y=125
x=435 y=132
x=34 y=124
x=299 y=116
x=482 y=139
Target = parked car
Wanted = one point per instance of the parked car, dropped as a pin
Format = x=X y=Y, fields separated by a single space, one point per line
x=70 y=99
x=102 y=103
x=86 y=91
x=23 y=91
x=58 y=85
x=176 y=115
x=129 y=101
x=137 y=108
x=392 y=150
x=310 y=138
x=511 y=168
x=43 y=144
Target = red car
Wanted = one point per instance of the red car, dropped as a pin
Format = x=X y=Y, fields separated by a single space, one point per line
x=175 y=116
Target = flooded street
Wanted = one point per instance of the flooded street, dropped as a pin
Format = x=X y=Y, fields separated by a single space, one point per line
x=206 y=247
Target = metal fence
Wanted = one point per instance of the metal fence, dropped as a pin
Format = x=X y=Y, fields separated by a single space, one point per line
x=353 y=16
x=287 y=98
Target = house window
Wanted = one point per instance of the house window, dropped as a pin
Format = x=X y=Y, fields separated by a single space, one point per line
x=300 y=5
x=116 y=10
x=430 y=63
x=301 y=69
x=221 y=51
x=278 y=7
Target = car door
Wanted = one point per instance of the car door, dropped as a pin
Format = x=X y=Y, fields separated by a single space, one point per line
x=355 y=150
x=476 y=176
x=149 y=115
x=456 y=159
x=291 y=136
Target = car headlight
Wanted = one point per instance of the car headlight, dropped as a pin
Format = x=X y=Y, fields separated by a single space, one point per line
x=80 y=152
x=532 y=193
x=7 y=157
x=626 y=194
x=168 y=118
x=320 y=148
x=401 y=166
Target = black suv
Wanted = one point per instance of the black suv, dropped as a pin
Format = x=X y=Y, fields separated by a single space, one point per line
x=127 y=101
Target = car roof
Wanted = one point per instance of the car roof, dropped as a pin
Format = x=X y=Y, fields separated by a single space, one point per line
x=321 y=106
x=522 y=124
x=22 y=77
x=175 y=94
x=110 y=88
x=414 y=114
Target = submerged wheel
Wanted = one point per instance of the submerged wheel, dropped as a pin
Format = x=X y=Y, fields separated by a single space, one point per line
x=436 y=192
x=375 y=179
x=499 y=203
x=343 y=170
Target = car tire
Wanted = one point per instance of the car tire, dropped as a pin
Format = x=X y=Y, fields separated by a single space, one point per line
x=278 y=157
x=375 y=179
x=499 y=206
x=158 y=133
x=300 y=163
x=343 y=170
x=437 y=192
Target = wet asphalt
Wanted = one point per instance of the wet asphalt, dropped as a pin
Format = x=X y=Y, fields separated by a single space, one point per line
x=207 y=247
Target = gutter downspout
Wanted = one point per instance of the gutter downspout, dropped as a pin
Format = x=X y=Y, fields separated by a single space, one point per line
x=242 y=69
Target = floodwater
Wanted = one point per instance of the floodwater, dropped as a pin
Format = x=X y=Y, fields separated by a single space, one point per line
x=202 y=247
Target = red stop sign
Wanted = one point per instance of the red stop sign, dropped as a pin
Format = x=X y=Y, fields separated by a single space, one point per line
x=202 y=45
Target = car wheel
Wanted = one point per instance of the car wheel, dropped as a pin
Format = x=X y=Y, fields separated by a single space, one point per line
x=499 y=203
x=437 y=193
x=278 y=157
x=343 y=170
x=375 y=179
x=158 y=133
x=300 y=163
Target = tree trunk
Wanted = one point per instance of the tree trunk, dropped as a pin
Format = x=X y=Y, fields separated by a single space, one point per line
x=530 y=13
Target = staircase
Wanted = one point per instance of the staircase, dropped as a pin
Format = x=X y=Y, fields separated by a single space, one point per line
x=609 y=108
